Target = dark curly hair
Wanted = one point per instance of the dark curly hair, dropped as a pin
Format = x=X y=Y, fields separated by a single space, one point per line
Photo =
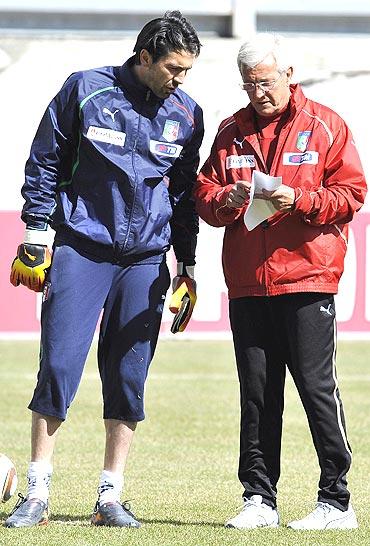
x=172 y=32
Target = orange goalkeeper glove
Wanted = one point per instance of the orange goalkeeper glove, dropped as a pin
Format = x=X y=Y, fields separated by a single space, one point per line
x=30 y=266
x=183 y=297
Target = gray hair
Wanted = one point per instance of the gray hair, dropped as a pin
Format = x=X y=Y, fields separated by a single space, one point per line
x=260 y=46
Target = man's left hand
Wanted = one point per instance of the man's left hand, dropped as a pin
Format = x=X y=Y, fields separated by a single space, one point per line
x=282 y=198
x=183 y=297
x=30 y=266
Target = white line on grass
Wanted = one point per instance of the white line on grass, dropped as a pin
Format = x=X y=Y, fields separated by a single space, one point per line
x=155 y=376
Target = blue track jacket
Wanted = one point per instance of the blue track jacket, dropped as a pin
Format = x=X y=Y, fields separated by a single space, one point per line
x=112 y=168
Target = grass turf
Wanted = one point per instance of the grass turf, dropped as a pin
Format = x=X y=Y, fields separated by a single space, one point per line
x=181 y=475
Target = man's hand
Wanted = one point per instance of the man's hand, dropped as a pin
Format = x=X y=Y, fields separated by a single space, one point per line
x=282 y=198
x=238 y=195
x=30 y=266
x=183 y=297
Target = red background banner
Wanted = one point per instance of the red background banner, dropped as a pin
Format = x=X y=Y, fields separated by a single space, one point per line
x=19 y=306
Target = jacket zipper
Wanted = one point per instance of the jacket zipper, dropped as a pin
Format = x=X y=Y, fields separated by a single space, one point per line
x=147 y=96
x=133 y=152
x=265 y=223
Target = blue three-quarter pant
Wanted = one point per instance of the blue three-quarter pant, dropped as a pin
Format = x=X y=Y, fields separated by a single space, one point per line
x=298 y=332
x=129 y=299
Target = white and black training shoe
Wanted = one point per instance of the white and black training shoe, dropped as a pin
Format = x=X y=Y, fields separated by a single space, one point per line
x=255 y=513
x=326 y=516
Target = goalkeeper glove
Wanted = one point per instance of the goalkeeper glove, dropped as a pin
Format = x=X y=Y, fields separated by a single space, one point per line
x=30 y=265
x=183 y=297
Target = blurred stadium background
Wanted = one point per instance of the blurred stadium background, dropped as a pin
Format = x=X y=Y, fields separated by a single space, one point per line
x=43 y=41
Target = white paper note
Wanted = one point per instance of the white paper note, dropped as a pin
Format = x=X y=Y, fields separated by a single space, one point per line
x=259 y=210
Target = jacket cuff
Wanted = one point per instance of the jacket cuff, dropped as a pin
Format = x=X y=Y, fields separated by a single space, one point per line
x=302 y=201
x=224 y=213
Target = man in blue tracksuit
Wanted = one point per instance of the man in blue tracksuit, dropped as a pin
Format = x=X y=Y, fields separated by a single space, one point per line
x=111 y=169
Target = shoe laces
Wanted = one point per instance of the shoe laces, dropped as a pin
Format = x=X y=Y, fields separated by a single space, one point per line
x=245 y=505
x=19 y=502
x=322 y=508
x=125 y=505
x=250 y=502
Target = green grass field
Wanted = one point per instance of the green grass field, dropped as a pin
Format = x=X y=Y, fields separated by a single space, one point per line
x=182 y=472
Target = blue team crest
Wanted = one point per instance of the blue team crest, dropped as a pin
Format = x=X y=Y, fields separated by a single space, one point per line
x=302 y=140
x=171 y=130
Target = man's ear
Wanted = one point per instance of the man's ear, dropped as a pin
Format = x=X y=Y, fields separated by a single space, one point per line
x=145 y=58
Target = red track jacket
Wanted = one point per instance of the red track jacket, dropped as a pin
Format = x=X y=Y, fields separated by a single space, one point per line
x=300 y=251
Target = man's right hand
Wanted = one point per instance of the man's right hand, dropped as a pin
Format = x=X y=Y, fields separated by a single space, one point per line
x=30 y=266
x=238 y=195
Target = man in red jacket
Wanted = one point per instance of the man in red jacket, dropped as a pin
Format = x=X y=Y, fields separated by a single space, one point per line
x=284 y=179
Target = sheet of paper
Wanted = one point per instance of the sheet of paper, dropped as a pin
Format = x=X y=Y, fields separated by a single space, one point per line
x=259 y=210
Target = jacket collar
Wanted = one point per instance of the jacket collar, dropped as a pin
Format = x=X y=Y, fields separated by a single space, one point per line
x=244 y=117
x=132 y=85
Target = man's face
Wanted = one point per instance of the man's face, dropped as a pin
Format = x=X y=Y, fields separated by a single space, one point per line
x=164 y=76
x=274 y=95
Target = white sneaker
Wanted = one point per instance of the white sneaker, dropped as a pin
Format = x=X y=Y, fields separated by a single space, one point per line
x=326 y=516
x=255 y=513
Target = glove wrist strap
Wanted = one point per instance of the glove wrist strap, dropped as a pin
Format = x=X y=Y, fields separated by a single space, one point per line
x=185 y=270
x=36 y=237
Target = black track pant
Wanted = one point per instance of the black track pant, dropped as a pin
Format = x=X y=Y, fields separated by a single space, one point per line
x=298 y=331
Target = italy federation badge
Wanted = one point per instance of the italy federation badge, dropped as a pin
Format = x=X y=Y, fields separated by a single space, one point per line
x=171 y=130
x=302 y=140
